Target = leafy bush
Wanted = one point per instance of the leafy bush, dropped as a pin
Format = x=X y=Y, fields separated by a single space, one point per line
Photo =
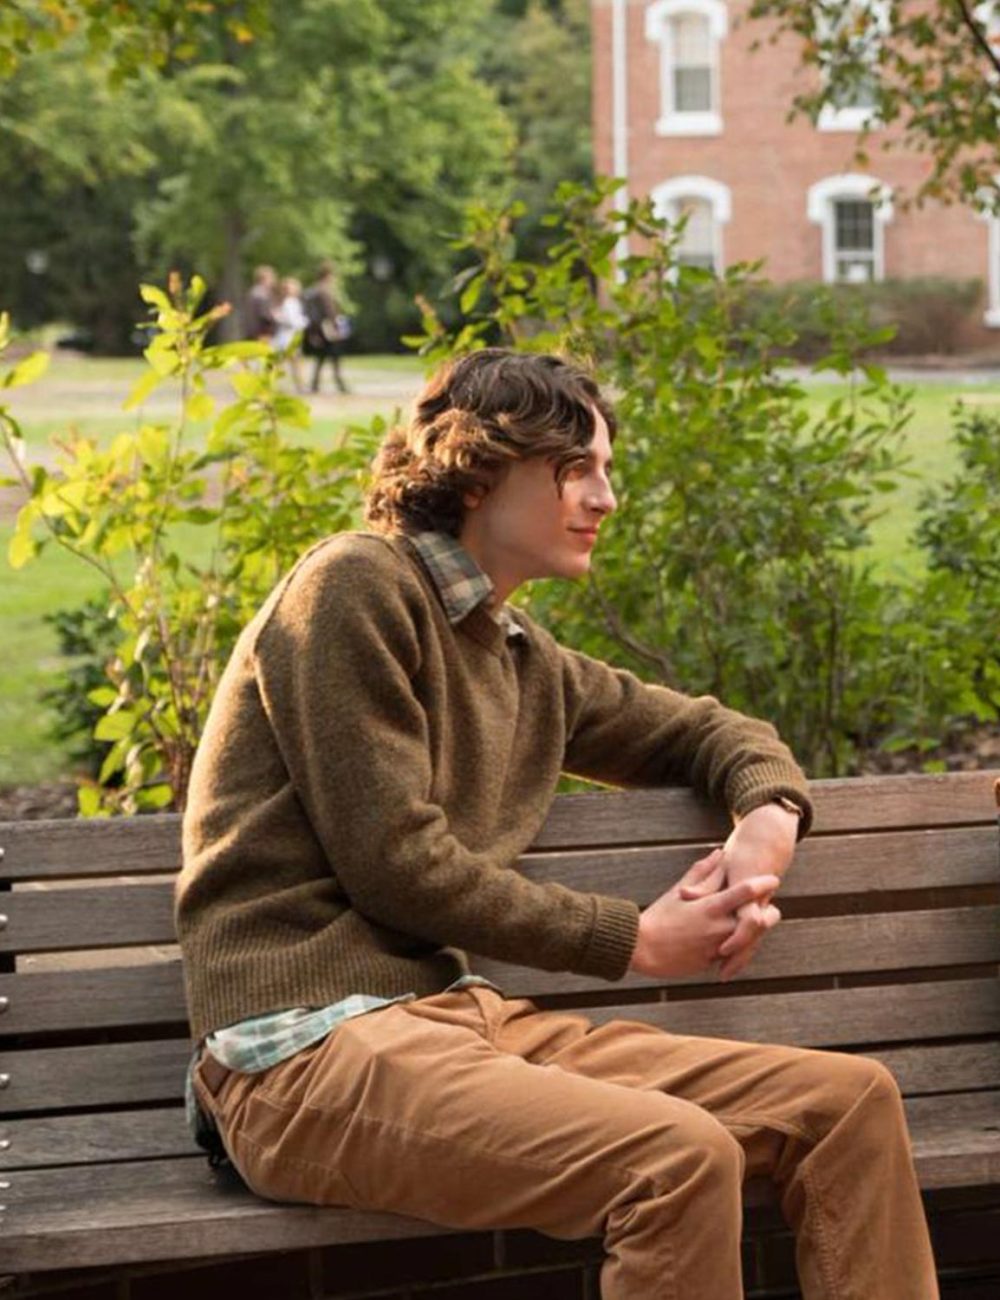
x=960 y=531
x=189 y=538
x=735 y=564
x=921 y=316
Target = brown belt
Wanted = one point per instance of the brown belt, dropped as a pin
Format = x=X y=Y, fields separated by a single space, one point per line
x=213 y=1075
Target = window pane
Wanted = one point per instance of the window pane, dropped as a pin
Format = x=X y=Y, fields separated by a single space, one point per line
x=692 y=90
x=854 y=225
x=856 y=270
x=692 y=39
x=697 y=245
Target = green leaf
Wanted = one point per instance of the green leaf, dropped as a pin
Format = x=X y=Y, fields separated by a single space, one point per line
x=156 y=796
x=141 y=389
x=155 y=297
x=21 y=549
x=27 y=371
x=200 y=406
x=115 y=726
x=88 y=800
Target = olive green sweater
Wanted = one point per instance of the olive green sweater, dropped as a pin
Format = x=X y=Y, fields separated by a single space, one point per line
x=370 y=774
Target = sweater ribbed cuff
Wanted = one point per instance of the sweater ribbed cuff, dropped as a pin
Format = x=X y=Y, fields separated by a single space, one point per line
x=613 y=938
x=765 y=782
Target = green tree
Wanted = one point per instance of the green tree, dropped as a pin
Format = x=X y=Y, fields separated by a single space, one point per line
x=735 y=563
x=142 y=33
x=932 y=70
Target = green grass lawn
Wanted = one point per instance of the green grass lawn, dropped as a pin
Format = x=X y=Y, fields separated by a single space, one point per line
x=87 y=393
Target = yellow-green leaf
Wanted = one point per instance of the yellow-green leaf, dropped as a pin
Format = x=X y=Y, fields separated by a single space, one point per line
x=142 y=389
x=27 y=371
x=200 y=406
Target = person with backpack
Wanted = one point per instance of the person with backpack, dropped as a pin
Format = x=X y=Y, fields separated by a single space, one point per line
x=328 y=326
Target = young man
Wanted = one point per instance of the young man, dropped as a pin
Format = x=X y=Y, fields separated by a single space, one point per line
x=384 y=744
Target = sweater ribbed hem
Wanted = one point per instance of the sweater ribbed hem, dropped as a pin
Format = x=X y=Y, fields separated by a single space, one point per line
x=613 y=938
x=764 y=782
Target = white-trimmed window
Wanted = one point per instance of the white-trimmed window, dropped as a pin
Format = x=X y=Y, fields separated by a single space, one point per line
x=852 y=211
x=688 y=33
x=865 y=25
x=707 y=205
x=991 y=317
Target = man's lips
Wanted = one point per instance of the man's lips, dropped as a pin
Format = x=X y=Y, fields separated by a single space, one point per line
x=589 y=533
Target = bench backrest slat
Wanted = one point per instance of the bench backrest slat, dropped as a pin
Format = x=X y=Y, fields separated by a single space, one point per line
x=103 y=914
x=153 y=994
x=64 y=849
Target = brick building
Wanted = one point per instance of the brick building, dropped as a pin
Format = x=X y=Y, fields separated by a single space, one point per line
x=687 y=112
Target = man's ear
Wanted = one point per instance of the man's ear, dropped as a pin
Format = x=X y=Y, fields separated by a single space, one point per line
x=474 y=497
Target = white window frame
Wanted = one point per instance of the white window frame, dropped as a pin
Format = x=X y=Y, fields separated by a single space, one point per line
x=855 y=118
x=667 y=195
x=991 y=316
x=819 y=210
x=659 y=30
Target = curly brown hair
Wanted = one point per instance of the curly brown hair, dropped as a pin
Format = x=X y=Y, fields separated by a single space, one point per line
x=473 y=417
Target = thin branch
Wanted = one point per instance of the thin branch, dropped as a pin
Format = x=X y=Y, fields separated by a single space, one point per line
x=978 y=35
x=624 y=637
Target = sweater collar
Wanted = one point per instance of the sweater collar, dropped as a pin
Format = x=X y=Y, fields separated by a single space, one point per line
x=460 y=582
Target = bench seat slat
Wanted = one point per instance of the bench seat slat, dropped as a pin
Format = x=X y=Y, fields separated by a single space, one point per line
x=160 y=1133
x=126 y=1074
x=96 y=1138
x=168 y=1209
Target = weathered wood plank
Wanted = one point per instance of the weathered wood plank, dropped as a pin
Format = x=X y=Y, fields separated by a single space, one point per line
x=834 y=1018
x=880 y=941
x=112 y=1074
x=68 y=920
x=153 y=994
x=95 y=1139
x=164 y=1209
x=825 y=866
x=858 y=804
x=123 y=915
x=943 y=1068
x=89 y=999
x=77 y=847
x=174 y=1209
x=71 y=847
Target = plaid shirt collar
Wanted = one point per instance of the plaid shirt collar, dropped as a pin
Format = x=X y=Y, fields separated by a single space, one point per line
x=461 y=583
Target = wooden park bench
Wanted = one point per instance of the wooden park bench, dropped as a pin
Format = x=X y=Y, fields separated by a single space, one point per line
x=890 y=946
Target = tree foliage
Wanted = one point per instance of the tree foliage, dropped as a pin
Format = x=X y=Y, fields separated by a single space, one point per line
x=188 y=532
x=736 y=563
x=932 y=71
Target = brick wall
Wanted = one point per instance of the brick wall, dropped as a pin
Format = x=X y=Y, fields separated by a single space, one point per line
x=509 y=1266
x=769 y=164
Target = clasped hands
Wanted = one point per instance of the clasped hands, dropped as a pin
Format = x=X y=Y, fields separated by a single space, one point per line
x=720 y=910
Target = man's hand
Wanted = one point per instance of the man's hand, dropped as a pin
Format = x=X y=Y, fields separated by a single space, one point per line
x=762 y=841
x=684 y=930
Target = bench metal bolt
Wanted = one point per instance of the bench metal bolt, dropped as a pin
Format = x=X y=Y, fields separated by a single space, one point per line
x=4 y=1080
x=4 y=1004
x=4 y=1143
x=3 y=921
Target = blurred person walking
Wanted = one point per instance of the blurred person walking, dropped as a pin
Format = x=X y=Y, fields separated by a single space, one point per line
x=329 y=327
x=258 y=310
x=290 y=320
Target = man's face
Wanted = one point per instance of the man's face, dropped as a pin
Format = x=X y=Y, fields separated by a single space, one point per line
x=524 y=529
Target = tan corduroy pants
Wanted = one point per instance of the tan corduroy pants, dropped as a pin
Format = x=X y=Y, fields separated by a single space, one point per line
x=474 y=1111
